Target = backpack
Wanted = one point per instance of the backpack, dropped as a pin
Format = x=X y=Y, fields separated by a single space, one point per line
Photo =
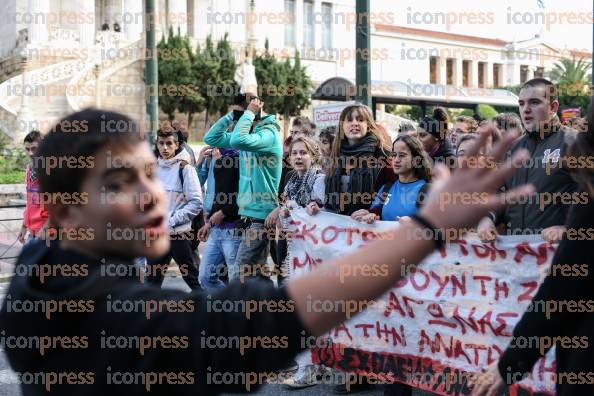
x=198 y=220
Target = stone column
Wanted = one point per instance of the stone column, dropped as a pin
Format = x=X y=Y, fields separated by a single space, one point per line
x=503 y=75
x=443 y=75
x=458 y=78
x=474 y=73
x=489 y=75
x=133 y=19
x=86 y=29
x=38 y=29
x=531 y=70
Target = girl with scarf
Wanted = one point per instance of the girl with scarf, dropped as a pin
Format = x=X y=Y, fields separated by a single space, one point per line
x=304 y=188
x=359 y=163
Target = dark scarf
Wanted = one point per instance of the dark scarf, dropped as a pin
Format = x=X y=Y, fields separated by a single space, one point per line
x=362 y=177
x=299 y=188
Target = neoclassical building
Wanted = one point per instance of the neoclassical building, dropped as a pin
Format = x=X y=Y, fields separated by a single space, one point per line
x=59 y=56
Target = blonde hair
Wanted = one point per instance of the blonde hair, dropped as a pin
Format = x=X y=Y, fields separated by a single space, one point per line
x=311 y=146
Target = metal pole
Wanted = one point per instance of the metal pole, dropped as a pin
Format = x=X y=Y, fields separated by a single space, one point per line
x=593 y=49
x=363 y=43
x=151 y=70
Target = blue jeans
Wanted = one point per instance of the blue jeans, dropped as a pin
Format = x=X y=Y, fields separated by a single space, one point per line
x=221 y=247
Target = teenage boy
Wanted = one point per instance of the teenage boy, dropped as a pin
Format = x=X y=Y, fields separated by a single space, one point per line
x=258 y=139
x=85 y=325
x=181 y=183
x=547 y=142
x=35 y=216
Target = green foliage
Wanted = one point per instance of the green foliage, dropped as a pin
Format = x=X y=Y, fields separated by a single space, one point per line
x=174 y=71
x=284 y=87
x=12 y=166
x=572 y=79
x=485 y=111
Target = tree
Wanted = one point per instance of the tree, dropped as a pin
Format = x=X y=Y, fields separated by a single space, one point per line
x=226 y=73
x=572 y=79
x=205 y=71
x=271 y=76
x=191 y=100
x=299 y=86
x=285 y=87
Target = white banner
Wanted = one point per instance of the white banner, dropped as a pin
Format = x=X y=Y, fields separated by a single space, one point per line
x=448 y=317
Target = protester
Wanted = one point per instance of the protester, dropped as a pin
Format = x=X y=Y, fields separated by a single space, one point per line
x=433 y=134
x=301 y=126
x=403 y=197
x=509 y=123
x=183 y=135
x=181 y=183
x=547 y=141
x=257 y=136
x=221 y=214
x=35 y=217
x=358 y=164
x=464 y=145
x=463 y=126
x=326 y=139
x=574 y=366
x=99 y=298
x=407 y=128
x=304 y=189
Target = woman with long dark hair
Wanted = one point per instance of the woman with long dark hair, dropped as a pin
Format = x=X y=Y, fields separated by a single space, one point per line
x=571 y=328
x=403 y=197
x=359 y=162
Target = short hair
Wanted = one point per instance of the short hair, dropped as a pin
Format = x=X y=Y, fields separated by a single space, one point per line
x=550 y=88
x=328 y=133
x=165 y=133
x=464 y=138
x=507 y=121
x=82 y=134
x=406 y=126
x=470 y=122
x=305 y=125
x=33 y=136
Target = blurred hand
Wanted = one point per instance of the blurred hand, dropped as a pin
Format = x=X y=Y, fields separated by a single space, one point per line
x=359 y=214
x=217 y=217
x=312 y=208
x=203 y=232
x=272 y=218
x=21 y=235
x=554 y=233
x=486 y=230
x=255 y=105
x=444 y=207
x=488 y=383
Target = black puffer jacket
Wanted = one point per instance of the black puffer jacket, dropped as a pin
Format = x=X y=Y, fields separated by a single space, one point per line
x=547 y=170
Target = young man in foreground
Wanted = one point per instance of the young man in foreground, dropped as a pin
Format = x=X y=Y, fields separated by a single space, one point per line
x=87 y=325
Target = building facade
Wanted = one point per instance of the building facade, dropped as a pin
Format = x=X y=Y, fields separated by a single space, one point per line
x=58 y=56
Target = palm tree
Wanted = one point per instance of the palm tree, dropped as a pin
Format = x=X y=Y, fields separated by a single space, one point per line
x=571 y=72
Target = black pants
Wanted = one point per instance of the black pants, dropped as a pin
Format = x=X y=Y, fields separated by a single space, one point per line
x=181 y=252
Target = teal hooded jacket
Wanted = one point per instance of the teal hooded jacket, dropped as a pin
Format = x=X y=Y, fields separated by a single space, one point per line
x=260 y=159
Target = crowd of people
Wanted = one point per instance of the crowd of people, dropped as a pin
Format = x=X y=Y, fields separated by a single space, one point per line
x=236 y=195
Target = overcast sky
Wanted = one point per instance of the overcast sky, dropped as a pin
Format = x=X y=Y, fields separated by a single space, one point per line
x=562 y=32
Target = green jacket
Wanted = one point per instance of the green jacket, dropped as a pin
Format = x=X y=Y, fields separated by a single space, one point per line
x=261 y=155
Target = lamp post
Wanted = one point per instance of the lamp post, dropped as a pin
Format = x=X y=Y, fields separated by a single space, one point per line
x=151 y=70
x=363 y=42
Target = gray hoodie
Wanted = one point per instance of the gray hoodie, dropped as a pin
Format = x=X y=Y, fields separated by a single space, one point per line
x=183 y=204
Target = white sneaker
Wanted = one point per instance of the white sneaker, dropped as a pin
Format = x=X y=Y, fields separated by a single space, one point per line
x=305 y=376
